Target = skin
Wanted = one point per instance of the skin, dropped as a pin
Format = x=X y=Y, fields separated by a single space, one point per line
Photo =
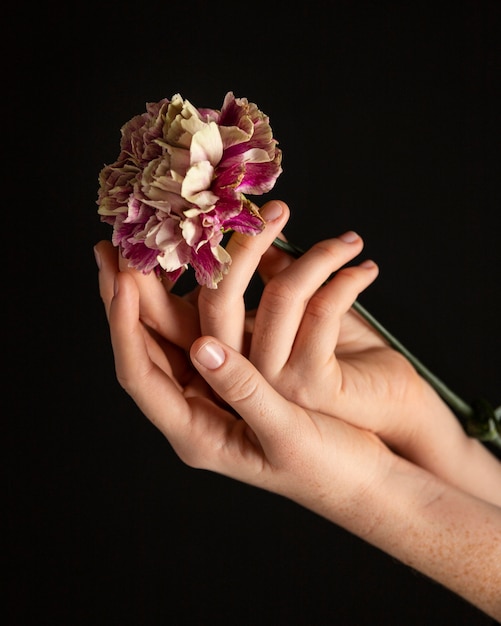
x=222 y=413
x=313 y=348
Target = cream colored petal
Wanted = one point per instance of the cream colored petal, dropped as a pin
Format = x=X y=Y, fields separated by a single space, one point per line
x=207 y=145
x=192 y=232
x=196 y=183
x=221 y=255
x=179 y=160
x=169 y=260
x=205 y=200
x=192 y=125
x=232 y=135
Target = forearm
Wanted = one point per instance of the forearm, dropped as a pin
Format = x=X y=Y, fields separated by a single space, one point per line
x=438 y=530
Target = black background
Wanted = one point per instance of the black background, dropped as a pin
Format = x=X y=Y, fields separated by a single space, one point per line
x=388 y=118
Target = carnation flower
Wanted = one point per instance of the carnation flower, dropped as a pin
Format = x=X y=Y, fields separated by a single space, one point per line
x=179 y=184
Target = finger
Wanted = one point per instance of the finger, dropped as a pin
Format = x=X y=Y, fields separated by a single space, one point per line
x=222 y=310
x=286 y=296
x=273 y=420
x=318 y=333
x=153 y=391
x=107 y=261
x=273 y=262
x=173 y=317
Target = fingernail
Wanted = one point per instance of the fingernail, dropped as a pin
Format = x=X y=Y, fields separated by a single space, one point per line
x=271 y=211
x=211 y=355
x=368 y=265
x=97 y=256
x=349 y=237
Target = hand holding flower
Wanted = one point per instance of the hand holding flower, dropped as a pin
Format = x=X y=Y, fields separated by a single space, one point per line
x=178 y=185
x=306 y=429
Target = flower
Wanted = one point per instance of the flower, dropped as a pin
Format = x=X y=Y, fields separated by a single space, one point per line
x=179 y=181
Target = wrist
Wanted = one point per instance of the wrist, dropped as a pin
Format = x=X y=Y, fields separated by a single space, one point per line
x=434 y=439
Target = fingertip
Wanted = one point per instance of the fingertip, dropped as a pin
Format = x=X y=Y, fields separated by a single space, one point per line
x=369 y=264
x=208 y=353
x=274 y=210
x=103 y=245
x=101 y=250
x=350 y=237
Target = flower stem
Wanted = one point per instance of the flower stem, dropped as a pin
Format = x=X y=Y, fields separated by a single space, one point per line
x=480 y=420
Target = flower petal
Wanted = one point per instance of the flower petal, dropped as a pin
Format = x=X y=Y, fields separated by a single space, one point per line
x=206 y=145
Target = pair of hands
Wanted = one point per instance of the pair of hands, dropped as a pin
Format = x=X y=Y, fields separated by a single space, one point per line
x=311 y=380
x=308 y=357
x=303 y=398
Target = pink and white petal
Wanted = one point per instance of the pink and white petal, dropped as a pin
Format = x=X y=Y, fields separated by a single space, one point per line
x=210 y=265
x=260 y=177
x=245 y=222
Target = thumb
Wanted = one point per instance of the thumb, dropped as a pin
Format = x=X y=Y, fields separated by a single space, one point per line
x=235 y=379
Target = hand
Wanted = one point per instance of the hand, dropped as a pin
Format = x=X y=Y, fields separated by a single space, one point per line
x=317 y=351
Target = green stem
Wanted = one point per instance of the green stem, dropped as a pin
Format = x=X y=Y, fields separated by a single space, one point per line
x=480 y=420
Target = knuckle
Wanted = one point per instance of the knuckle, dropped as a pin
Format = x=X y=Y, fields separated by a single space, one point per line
x=211 y=305
x=131 y=382
x=278 y=294
x=191 y=456
x=320 y=307
x=124 y=380
x=351 y=280
x=349 y=273
x=242 y=389
x=297 y=389
x=301 y=394
x=241 y=242
x=328 y=250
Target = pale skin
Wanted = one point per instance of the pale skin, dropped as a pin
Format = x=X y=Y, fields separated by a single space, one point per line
x=331 y=462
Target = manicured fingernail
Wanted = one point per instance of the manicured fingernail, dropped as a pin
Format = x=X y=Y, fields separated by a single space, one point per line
x=97 y=256
x=271 y=211
x=368 y=265
x=211 y=355
x=349 y=237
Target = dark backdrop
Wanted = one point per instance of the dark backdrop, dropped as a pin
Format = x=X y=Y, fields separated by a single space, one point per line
x=388 y=117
